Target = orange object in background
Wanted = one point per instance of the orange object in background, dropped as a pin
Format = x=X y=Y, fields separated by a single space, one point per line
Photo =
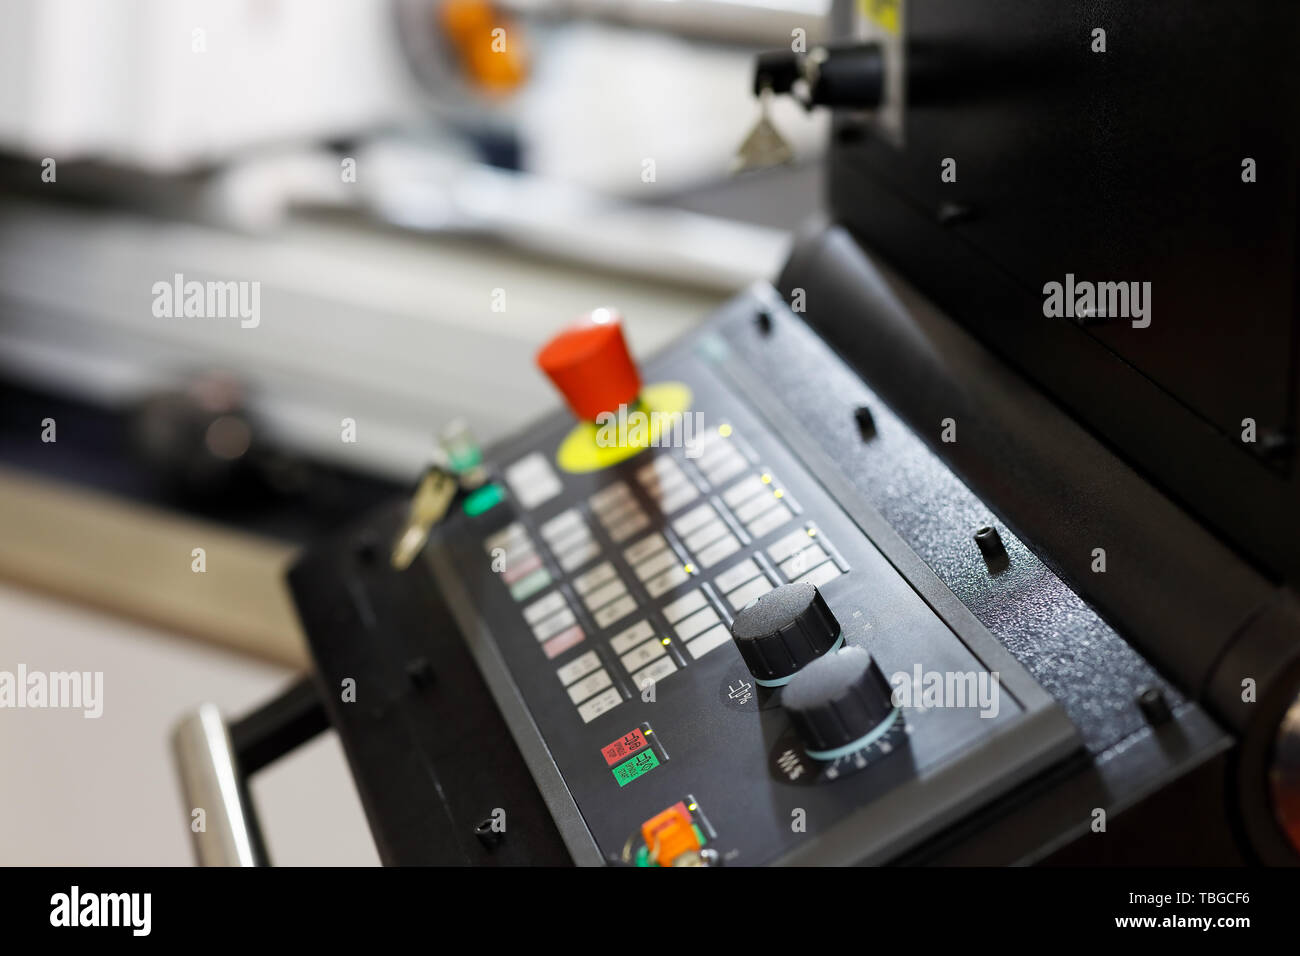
x=493 y=63
x=669 y=834
x=591 y=366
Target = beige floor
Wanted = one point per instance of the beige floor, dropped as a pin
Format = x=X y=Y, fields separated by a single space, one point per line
x=95 y=792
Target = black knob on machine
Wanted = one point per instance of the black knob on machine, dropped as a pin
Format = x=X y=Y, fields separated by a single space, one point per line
x=839 y=703
x=783 y=630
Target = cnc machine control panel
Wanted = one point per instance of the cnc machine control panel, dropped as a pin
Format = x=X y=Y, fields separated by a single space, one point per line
x=717 y=662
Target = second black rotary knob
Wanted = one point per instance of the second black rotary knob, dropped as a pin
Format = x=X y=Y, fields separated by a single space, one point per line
x=784 y=629
x=840 y=703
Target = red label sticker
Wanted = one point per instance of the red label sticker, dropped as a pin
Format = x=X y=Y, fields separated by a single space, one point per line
x=624 y=747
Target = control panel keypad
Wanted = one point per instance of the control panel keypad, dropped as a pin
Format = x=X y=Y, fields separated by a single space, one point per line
x=554 y=624
x=618 y=511
x=570 y=538
x=742 y=583
x=643 y=654
x=706 y=533
x=805 y=555
x=760 y=503
x=522 y=569
x=605 y=595
x=656 y=565
x=667 y=484
x=695 y=622
x=718 y=458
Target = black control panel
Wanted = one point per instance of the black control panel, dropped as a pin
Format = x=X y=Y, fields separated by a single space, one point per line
x=784 y=632
x=606 y=601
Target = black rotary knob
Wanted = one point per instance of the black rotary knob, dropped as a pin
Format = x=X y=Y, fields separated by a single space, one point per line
x=783 y=630
x=839 y=703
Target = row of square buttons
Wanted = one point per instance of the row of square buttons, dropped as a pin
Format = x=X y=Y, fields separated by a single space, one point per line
x=666 y=483
x=706 y=535
x=553 y=624
x=643 y=654
x=618 y=511
x=570 y=538
x=583 y=678
x=717 y=456
x=604 y=594
x=514 y=555
x=696 y=622
x=801 y=557
x=758 y=502
x=742 y=583
x=656 y=565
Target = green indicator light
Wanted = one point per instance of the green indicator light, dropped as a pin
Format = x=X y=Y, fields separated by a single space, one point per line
x=485 y=499
x=629 y=770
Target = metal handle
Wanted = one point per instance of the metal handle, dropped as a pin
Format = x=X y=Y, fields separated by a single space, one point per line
x=227 y=833
x=215 y=760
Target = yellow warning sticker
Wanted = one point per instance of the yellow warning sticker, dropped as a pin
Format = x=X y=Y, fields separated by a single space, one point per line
x=886 y=14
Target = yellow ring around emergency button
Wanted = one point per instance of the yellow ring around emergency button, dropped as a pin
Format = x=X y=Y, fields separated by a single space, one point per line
x=581 y=452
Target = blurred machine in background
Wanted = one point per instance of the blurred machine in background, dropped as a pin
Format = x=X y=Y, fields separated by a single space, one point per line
x=359 y=162
x=578 y=91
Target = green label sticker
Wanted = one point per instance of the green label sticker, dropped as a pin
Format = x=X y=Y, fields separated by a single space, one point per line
x=629 y=770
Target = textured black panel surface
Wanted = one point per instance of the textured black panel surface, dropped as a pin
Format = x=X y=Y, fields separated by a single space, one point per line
x=429 y=751
x=1077 y=657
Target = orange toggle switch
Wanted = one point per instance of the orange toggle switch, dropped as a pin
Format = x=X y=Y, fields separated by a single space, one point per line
x=669 y=834
x=591 y=366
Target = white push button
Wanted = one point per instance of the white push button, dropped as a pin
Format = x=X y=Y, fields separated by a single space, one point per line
x=624 y=641
x=684 y=605
x=578 y=667
x=708 y=641
x=600 y=704
x=732 y=578
x=589 y=685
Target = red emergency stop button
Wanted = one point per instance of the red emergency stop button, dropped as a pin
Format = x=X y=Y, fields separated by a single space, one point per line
x=591 y=366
